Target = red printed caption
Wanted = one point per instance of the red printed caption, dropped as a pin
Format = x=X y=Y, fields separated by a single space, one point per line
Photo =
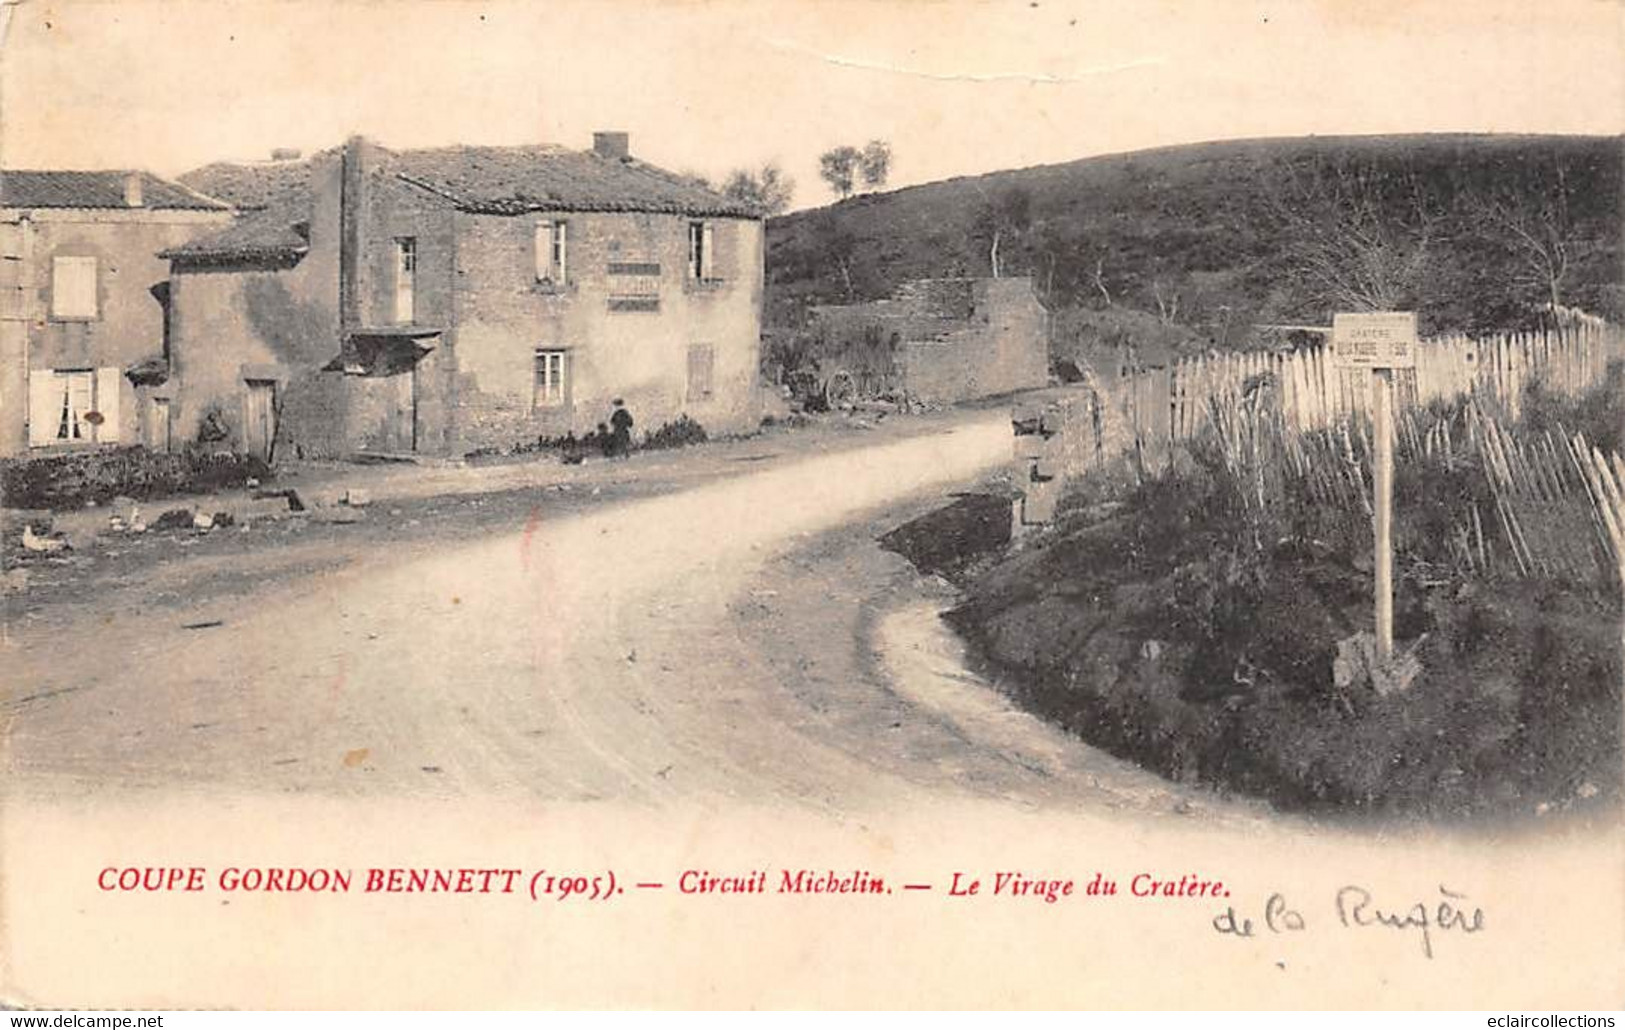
x=556 y=885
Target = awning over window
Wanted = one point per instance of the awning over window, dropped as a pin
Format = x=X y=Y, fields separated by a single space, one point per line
x=152 y=371
x=383 y=351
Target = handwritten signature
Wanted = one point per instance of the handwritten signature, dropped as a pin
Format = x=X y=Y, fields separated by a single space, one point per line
x=1357 y=908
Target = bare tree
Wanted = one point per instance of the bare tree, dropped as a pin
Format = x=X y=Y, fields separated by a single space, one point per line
x=1167 y=302
x=837 y=167
x=1534 y=221
x=768 y=189
x=1100 y=280
x=1003 y=217
x=1357 y=235
x=874 y=164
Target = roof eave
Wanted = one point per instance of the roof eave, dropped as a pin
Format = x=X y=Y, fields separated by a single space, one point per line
x=291 y=255
x=689 y=211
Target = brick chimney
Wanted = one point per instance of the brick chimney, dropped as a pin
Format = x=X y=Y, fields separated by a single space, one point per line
x=286 y=154
x=132 y=189
x=617 y=146
x=356 y=163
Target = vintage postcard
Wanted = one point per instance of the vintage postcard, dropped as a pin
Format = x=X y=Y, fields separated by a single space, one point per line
x=696 y=504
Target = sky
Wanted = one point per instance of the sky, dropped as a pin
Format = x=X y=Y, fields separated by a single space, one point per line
x=706 y=86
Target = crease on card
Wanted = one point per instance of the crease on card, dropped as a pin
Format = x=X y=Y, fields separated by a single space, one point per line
x=1080 y=75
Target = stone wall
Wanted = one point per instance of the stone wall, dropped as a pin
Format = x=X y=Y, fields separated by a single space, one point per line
x=1059 y=442
x=639 y=352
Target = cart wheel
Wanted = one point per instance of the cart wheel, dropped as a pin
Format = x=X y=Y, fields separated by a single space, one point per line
x=840 y=388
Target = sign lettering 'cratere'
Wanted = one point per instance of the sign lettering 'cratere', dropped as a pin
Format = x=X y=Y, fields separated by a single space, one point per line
x=1376 y=339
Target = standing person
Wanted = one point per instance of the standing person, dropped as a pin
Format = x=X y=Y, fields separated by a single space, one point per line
x=620 y=423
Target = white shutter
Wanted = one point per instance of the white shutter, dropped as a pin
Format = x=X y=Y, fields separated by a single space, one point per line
x=73 y=287
x=108 y=383
x=544 y=251
x=44 y=407
x=708 y=253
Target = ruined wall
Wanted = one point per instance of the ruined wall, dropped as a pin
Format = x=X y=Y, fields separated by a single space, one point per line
x=231 y=322
x=238 y=323
x=1000 y=346
x=866 y=341
x=945 y=340
x=950 y=369
x=129 y=322
x=951 y=299
x=638 y=351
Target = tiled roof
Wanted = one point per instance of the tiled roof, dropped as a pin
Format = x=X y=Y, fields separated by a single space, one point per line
x=250 y=186
x=513 y=180
x=277 y=233
x=97 y=189
x=493 y=180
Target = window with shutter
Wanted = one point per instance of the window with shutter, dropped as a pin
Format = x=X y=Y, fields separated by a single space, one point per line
x=58 y=401
x=73 y=288
x=406 y=271
x=702 y=252
x=696 y=250
x=552 y=245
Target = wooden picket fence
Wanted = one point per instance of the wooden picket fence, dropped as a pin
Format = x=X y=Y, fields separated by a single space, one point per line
x=1556 y=503
x=1169 y=405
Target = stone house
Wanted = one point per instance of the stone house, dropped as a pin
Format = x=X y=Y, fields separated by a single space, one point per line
x=443 y=300
x=83 y=300
x=939 y=340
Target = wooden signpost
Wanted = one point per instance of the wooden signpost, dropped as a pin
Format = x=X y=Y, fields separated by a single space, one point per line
x=1380 y=341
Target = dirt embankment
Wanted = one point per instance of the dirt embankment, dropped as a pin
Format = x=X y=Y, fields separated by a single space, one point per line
x=1145 y=637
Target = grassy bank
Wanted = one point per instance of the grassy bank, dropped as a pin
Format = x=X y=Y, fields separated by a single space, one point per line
x=1190 y=621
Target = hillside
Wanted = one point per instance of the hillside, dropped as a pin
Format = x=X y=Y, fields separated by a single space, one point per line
x=1204 y=240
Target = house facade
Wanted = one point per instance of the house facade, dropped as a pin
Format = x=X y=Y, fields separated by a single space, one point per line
x=83 y=301
x=941 y=340
x=440 y=301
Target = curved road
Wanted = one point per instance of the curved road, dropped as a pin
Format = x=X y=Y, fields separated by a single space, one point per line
x=601 y=656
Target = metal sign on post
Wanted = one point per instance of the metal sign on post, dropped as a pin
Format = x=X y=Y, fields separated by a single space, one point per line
x=1374 y=340
x=1380 y=341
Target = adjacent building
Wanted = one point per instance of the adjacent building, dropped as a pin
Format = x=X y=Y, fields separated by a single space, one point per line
x=440 y=301
x=84 y=339
x=939 y=340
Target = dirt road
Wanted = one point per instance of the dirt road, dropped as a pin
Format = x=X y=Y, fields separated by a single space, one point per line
x=708 y=644
x=732 y=676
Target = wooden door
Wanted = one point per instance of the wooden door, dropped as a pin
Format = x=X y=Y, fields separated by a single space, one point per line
x=400 y=412
x=259 y=422
x=158 y=425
